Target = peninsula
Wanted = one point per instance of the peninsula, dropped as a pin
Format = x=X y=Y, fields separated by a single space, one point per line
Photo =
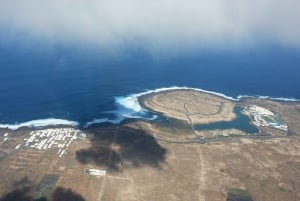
x=202 y=147
x=210 y=115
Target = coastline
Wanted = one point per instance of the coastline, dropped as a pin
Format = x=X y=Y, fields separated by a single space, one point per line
x=40 y=123
x=136 y=109
x=196 y=107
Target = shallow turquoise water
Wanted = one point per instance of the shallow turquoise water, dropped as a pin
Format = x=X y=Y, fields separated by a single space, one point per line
x=242 y=122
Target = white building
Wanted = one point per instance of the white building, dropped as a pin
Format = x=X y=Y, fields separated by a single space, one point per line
x=95 y=172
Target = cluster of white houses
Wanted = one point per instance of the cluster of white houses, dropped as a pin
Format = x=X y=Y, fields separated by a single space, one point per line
x=5 y=137
x=60 y=138
x=264 y=117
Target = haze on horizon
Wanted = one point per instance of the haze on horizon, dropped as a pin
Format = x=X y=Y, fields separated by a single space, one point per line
x=155 y=23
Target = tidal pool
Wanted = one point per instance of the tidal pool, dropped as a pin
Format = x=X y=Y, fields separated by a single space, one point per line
x=241 y=122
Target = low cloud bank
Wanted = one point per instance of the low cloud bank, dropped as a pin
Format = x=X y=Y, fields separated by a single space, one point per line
x=155 y=23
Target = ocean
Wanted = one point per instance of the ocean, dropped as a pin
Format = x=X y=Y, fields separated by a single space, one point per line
x=80 y=86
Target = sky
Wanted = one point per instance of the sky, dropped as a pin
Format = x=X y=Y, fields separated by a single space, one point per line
x=160 y=23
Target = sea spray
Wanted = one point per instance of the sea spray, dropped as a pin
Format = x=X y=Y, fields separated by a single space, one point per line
x=40 y=123
x=128 y=107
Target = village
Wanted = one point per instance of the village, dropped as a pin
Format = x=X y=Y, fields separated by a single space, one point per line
x=60 y=138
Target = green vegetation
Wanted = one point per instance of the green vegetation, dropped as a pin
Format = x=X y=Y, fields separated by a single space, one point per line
x=222 y=170
x=282 y=189
x=234 y=194
x=268 y=119
x=70 y=167
x=90 y=178
x=46 y=186
x=219 y=136
x=239 y=192
x=2 y=155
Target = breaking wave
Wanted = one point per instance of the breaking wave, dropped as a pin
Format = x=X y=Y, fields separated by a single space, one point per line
x=128 y=107
x=40 y=123
x=269 y=97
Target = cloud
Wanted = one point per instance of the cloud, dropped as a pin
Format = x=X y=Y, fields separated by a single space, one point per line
x=156 y=23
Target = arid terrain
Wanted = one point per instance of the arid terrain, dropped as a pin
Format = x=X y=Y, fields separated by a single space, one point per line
x=190 y=105
x=157 y=161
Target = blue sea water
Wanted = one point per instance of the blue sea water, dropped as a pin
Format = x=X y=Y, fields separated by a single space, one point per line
x=78 y=86
x=241 y=122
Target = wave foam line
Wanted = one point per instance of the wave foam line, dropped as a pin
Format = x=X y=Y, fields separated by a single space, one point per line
x=269 y=97
x=129 y=106
x=103 y=120
x=117 y=120
x=40 y=123
x=132 y=102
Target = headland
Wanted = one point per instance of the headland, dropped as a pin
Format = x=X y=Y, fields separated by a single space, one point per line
x=187 y=155
x=210 y=115
x=190 y=105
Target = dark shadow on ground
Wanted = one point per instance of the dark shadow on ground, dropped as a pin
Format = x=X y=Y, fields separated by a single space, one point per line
x=22 y=182
x=24 y=190
x=62 y=194
x=19 y=194
x=130 y=145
